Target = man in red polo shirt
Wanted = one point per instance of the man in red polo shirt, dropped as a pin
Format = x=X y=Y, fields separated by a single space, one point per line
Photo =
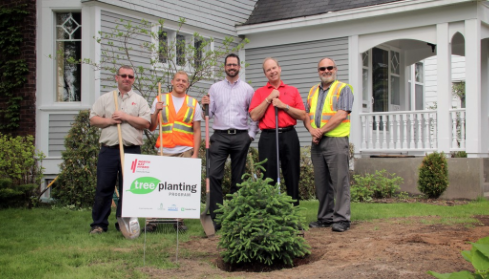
x=262 y=108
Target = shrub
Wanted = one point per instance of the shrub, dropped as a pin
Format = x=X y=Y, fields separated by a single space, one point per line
x=20 y=171
x=260 y=225
x=375 y=186
x=458 y=154
x=433 y=175
x=78 y=178
x=478 y=256
x=307 y=189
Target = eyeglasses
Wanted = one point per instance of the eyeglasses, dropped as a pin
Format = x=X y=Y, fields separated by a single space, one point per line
x=329 y=68
x=126 y=76
x=232 y=65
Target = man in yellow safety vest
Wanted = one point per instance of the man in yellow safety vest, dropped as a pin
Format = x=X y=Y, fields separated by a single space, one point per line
x=328 y=106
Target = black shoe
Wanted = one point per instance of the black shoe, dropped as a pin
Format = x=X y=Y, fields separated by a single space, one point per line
x=181 y=226
x=341 y=226
x=117 y=226
x=150 y=228
x=320 y=224
x=216 y=226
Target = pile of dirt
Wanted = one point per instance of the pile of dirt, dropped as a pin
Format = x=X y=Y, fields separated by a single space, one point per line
x=393 y=248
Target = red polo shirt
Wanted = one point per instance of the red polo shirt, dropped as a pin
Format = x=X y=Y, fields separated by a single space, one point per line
x=289 y=95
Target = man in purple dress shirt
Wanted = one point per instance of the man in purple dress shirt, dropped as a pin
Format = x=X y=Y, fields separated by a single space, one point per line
x=234 y=130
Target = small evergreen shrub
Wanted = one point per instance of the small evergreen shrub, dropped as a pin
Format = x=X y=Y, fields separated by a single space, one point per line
x=433 y=175
x=375 y=186
x=260 y=225
x=78 y=178
x=21 y=170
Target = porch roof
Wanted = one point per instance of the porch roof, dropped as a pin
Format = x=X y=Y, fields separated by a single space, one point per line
x=273 y=10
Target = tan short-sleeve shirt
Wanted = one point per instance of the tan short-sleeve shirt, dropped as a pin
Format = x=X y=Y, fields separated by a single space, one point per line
x=131 y=103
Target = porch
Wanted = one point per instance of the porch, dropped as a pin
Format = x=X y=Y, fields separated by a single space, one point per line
x=410 y=132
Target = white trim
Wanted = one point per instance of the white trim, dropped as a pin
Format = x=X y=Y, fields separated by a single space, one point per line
x=346 y=15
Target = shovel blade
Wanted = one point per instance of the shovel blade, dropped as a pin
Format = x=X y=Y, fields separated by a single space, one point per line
x=129 y=227
x=207 y=224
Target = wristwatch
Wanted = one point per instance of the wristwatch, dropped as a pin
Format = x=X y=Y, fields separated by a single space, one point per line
x=287 y=108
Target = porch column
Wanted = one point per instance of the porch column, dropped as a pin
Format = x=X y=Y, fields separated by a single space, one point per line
x=473 y=102
x=444 y=90
x=485 y=97
x=355 y=80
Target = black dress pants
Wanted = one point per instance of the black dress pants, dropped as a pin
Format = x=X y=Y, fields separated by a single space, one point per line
x=108 y=170
x=289 y=152
x=223 y=145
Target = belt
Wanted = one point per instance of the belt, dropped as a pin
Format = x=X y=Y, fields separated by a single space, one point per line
x=230 y=131
x=116 y=146
x=280 y=130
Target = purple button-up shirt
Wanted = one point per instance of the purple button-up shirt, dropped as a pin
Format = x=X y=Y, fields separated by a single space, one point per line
x=229 y=106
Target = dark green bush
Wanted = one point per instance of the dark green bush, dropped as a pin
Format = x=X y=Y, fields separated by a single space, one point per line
x=78 y=178
x=433 y=175
x=20 y=171
x=458 y=154
x=375 y=186
x=260 y=225
x=307 y=189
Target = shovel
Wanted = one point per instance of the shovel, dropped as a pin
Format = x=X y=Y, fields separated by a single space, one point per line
x=278 y=156
x=129 y=226
x=206 y=219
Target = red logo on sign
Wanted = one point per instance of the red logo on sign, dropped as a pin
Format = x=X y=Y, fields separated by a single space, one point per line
x=133 y=165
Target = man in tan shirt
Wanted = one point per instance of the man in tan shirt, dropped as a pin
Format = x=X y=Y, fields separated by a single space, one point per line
x=134 y=117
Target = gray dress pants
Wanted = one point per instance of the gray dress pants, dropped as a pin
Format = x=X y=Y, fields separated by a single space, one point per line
x=332 y=179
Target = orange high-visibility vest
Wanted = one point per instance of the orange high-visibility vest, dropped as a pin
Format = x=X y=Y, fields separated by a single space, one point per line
x=177 y=128
x=329 y=108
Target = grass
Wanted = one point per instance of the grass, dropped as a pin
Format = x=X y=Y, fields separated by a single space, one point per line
x=54 y=243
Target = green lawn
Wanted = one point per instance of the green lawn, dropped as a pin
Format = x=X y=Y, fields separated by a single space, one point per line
x=55 y=243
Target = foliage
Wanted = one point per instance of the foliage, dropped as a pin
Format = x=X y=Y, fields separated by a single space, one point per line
x=78 y=178
x=458 y=89
x=433 y=175
x=375 y=186
x=260 y=225
x=21 y=170
x=458 y=154
x=307 y=189
x=478 y=256
x=13 y=68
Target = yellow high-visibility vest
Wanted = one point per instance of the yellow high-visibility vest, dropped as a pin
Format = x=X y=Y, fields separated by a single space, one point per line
x=177 y=128
x=329 y=108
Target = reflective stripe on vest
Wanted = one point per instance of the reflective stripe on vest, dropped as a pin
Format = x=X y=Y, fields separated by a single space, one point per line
x=177 y=127
x=329 y=108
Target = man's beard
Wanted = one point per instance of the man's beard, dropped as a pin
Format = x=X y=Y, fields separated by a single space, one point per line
x=230 y=74
x=327 y=78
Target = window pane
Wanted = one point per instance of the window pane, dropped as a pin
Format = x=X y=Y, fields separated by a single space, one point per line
x=395 y=92
x=163 y=47
x=198 y=53
x=395 y=62
x=419 y=72
x=68 y=49
x=419 y=97
x=409 y=95
x=180 y=50
x=365 y=59
x=365 y=85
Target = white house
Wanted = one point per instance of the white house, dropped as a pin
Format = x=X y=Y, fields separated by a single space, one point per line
x=397 y=55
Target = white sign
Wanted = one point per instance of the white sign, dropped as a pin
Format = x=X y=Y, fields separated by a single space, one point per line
x=161 y=187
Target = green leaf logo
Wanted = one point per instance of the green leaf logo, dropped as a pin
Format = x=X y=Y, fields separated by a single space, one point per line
x=144 y=185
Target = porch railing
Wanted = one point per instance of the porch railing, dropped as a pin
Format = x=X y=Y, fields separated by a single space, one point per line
x=399 y=131
x=457 y=117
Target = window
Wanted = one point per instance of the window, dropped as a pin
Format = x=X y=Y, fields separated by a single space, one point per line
x=416 y=71
x=181 y=49
x=395 y=79
x=365 y=87
x=163 y=46
x=68 y=48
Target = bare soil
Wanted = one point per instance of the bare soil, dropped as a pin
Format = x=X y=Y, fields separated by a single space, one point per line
x=391 y=248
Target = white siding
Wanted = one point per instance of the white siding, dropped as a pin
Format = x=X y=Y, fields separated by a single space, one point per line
x=59 y=125
x=215 y=15
x=430 y=67
x=299 y=67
